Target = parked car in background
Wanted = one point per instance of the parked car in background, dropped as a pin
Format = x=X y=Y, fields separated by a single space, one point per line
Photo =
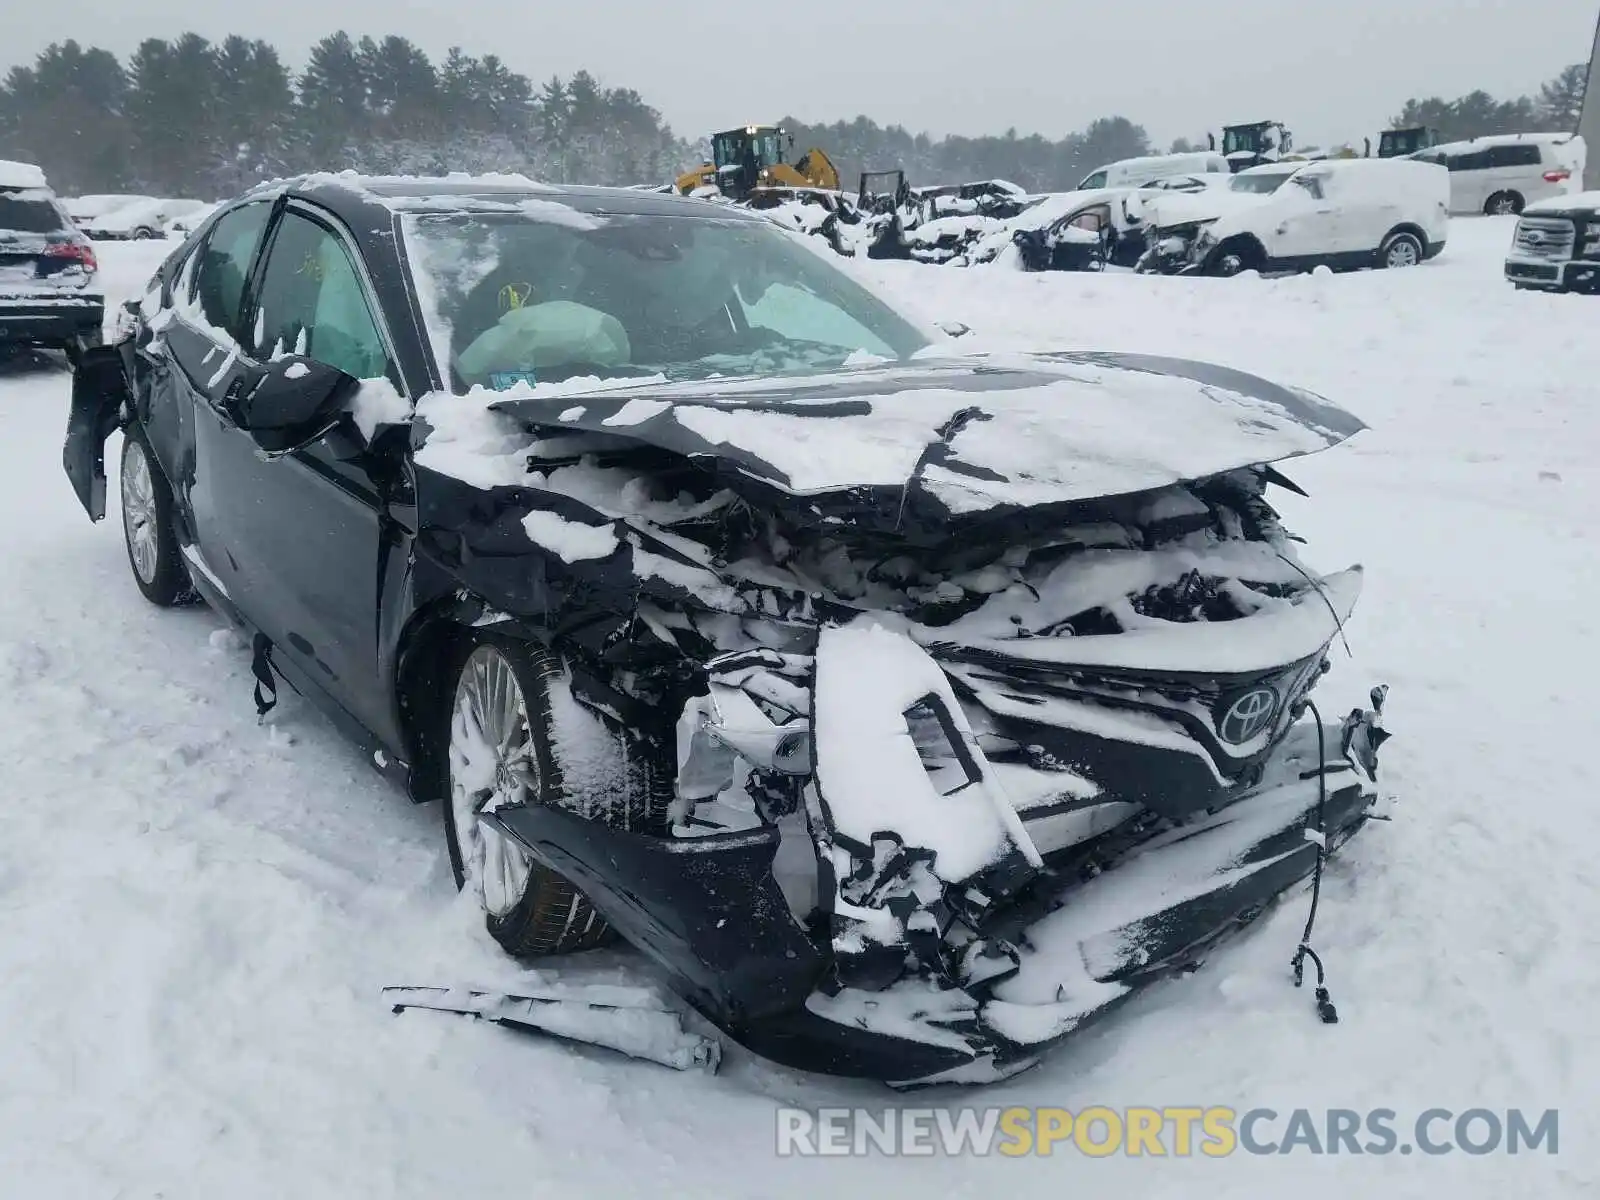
x=85 y=209
x=1067 y=231
x=1556 y=246
x=186 y=223
x=1142 y=171
x=1188 y=183
x=1507 y=172
x=48 y=292
x=1342 y=213
x=139 y=221
x=998 y=198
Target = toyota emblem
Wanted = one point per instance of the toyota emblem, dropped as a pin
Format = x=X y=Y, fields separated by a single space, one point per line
x=1535 y=237
x=1248 y=715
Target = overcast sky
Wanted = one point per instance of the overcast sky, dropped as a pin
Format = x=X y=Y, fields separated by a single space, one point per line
x=1332 y=70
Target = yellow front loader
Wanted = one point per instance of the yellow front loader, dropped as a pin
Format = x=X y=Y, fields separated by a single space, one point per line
x=750 y=158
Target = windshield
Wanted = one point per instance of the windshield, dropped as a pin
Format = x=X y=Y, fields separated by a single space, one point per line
x=511 y=298
x=1253 y=140
x=729 y=149
x=1260 y=184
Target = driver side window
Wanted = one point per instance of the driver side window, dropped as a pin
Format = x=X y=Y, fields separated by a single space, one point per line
x=1312 y=184
x=312 y=303
x=1092 y=219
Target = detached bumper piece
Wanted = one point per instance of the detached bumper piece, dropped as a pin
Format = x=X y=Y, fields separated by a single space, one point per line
x=626 y=1019
x=941 y=946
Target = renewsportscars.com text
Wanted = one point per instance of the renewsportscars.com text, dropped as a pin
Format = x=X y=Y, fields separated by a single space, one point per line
x=1179 y=1132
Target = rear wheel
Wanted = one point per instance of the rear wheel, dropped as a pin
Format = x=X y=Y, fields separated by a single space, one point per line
x=1400 y=250
x=148 y=529
x=500 y=754
x=1503 y=204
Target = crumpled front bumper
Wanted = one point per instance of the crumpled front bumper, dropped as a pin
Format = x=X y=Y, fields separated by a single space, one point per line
x=942 y=948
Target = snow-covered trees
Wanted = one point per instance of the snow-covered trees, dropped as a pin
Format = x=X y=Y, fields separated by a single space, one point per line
x=195 y=118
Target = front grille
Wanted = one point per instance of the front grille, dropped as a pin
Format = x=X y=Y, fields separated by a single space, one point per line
x=1545 y=237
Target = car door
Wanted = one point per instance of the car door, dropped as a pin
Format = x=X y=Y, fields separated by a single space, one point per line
x=189 y=374
x=304 y=534
x=1305 y=227
x=1362 y=213
x=1469 y=176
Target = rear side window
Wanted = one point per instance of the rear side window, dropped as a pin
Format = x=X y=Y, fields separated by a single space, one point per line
x=30 y=213
x=1474 y=160
x=1514 y=156
x=225 y=259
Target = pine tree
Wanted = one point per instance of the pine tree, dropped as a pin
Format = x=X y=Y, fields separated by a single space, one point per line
x=1561 y=99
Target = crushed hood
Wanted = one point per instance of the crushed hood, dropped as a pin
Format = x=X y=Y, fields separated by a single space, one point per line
x=1183 y=208
x=965 y=437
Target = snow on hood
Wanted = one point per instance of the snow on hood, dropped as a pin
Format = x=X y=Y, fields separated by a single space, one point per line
x=1167 y=209
x=972 y=434
x=1575 y=202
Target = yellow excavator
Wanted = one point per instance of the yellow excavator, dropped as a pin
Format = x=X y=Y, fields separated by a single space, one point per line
x=751 y=158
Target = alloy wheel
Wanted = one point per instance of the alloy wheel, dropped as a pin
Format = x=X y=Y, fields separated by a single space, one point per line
x=139 y=511
x=1402 y=252
x=492 y=763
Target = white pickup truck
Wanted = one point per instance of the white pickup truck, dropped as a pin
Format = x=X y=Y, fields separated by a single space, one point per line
x=1293 y=216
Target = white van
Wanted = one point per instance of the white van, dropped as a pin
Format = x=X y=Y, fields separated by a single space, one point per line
x=1141 y=172
x=1344 y=213
x=1506 y=172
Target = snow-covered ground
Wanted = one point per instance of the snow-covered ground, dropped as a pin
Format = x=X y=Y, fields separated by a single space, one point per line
x=197 y=912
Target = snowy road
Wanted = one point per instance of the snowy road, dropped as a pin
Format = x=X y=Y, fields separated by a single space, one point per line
x=196 y=912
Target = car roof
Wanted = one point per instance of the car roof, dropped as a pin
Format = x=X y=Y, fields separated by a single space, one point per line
x=1503 y=139
x=21 y=175
x=352 y=196
x=1284 y=167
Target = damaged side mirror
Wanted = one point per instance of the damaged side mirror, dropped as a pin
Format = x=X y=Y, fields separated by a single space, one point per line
x=291 y=402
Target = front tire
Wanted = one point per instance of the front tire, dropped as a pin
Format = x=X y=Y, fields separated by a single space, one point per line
x=148 y=529
x=500 y=753
x=1226 y=261
x=1400 y=250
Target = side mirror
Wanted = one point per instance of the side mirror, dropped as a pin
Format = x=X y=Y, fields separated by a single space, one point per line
x=292 y=402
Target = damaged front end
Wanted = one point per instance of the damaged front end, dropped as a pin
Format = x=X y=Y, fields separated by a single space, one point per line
x=947 y=785
x=1180 y=249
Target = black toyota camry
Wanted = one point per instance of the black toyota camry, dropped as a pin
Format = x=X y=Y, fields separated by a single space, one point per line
x=908 y=706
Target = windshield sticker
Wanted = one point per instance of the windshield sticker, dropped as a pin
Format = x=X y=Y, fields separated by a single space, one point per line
x=502 y=380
